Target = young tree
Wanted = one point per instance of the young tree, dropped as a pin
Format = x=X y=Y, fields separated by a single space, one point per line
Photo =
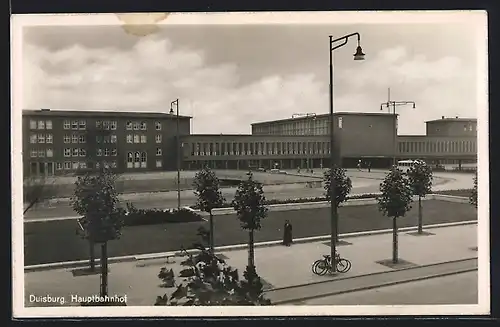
x=342 y=188
x=35 y=190
x=209 y=196
x=249 y=204
x=420 y=178
x=96 y=199
x=395 y=201
x=473 y=195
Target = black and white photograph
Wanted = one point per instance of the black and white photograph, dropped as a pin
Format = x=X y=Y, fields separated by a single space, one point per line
x=250 y=164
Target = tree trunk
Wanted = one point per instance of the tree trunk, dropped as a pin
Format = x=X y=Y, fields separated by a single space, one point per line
x=251 y=256
x=336 y=213
x=394 y=240
x=420 y=223
x=92 y=256
x=211 y=219
x=104 y=269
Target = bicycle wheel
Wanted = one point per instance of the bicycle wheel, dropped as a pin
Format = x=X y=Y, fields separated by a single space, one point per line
x=319 y=267
x=343 y=265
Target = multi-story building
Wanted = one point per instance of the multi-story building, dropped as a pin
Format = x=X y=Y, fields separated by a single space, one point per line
x=62 y=142
x=58 y=142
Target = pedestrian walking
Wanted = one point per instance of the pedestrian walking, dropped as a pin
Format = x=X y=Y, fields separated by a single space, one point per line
x=359 y=165
x=369 y=166
x=287 y=234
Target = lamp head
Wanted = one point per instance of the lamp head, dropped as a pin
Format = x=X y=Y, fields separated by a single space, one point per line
x=171 y=110
x=413 y=105
x=359 y=55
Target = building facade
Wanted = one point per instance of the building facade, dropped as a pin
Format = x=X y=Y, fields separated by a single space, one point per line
x=459 y=127
x=59 y=142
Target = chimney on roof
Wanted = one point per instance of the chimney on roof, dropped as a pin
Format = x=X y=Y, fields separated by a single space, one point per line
x=442 y=117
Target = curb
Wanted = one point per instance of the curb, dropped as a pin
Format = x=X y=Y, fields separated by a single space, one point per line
x=160 y=255
x=379 y=285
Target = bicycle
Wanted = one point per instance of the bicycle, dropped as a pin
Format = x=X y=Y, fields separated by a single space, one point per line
x=322 y=266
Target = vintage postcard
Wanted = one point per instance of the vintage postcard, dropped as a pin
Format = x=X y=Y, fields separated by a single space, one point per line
x=276 y=164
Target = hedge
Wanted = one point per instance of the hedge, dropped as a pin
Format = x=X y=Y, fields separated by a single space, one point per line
x=136 y=217
x=462 y=192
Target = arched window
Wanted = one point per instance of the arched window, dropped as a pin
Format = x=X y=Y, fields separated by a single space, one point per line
x=137 y=160
x=144 y=159
x=130 y=160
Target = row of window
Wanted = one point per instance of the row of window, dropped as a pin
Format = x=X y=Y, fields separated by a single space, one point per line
x=259 y=148
x=134 y=125
x=41 y=138
x=140 y=160
x=41 y=153
x=136 y=138
x=437 y=146
x=48 y=167
x=40 y=124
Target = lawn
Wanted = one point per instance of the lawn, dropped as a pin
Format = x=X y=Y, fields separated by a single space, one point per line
x=56 y=241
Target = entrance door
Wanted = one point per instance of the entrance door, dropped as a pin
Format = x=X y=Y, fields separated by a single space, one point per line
x=34 y=169
x=43 y=169
x=50 y=168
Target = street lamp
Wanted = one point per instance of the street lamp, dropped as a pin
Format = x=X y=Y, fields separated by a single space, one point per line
x=359 y=55
x=178 y=156
x=308 y=115
x=392 y=105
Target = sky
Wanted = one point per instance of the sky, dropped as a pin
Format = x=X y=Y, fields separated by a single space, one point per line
x=227 y=77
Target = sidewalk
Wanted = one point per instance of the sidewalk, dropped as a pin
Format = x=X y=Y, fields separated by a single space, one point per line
x=279 y=266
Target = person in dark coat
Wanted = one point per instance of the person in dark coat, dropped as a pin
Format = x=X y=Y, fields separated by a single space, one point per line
x=287 y=234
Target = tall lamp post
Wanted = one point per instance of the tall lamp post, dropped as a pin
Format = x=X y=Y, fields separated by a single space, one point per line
x=308 y=115
x=392 y=105
x=359 y=55
x=178 y=156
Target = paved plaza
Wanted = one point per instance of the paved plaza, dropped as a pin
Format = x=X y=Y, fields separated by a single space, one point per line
x=280 y=267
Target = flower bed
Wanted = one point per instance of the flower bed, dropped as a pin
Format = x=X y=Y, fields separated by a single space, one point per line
x=136 y=217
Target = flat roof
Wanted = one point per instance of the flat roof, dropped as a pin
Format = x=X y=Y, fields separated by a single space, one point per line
x=254 y=135
x=450 y=119
x=322 y=116
x=99 y=113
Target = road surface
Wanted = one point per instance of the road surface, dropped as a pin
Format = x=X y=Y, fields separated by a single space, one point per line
x=454 y=289
x=56 y=241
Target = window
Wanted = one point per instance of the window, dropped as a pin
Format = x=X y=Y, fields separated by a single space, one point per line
x=32 y=124
x=113 y=124
x=136 y=126
x=470 y=128
x=67 y=152
x=67 y=139
x=99 y=152
x=33 y=138
x=107 y=139
x=66 y=124
x=76 y=165
x=83 y=165
x=129 y=125
x=82 y=124
x=158 y=126
x=59 y=165
x=137 y=160
x=158 y=151
x=74 y=124
x=130 y=160
x=158 y=138
x=114 y=153
x=82 y=139
x=113 y=138
x=465 y=128
x=41 y=124
x=105 y=125
x=74 y=138
x=75 y=152
x=48 y=124
x=82 y=152
x=144 y=159
x=143 y=138
x=50 y=153
x=129 y=138
x=97 y=165
x=106 y=152
x=98 y=138
x=158 y=163
x=136 y=138
x=143 y=126
x=113 y=164
x=41 y=153
x=67 y=165
x=48 y=138
x=33 y=153
x=98 y=124
x=41 y=138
